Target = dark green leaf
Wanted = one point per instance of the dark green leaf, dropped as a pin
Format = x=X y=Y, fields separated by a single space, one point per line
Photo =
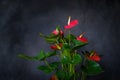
x=63 y=75
x=40 y=56
x=46 y=69
x=92 y=68
x=76 y=59
x=52 y=36
x=65 y=46
x=60 y=74
x=54 y=65
x=77 y=44
x=51 y=40
x=70 y=36
x=23 y=56
x=65 y=60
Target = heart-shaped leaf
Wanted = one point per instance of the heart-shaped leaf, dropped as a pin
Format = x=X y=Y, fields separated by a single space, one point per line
x=54 y=65
x=65 y=60
x=92 y=68
x=63 y=75
x=76 y=59
x=77 y=44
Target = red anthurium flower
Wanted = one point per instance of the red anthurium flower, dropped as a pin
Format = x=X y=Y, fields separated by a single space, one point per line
x=53 y=77
x=94 y=57
x=56 y=32
x=81 y=38
x=56 y=46
x=71 y=24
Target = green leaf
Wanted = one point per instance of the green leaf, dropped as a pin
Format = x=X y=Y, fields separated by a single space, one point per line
x=92 y=68
x=66 y=49
x=52 y=36
x=46 y=69
x=51 y=40
x=54 y=65
x=77 y=44
x=76 y=59
x=65 y=46
x=58 y=28
x=23 y=56
x=49 y=54
x=42 y=35
x=62 y=75
x=65 y=60
x=70 y=36
x=40 y=56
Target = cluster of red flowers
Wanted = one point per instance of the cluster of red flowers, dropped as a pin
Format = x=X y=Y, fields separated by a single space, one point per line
x=70 y=25
x=60 y=32
x=92 y=56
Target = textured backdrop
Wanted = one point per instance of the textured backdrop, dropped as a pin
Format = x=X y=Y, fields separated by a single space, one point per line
x=22 y=20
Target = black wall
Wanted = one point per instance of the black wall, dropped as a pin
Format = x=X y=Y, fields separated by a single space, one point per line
x=22 y=20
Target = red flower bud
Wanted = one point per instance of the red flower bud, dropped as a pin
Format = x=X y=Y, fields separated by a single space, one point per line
x=53 y=77
x=57 y=32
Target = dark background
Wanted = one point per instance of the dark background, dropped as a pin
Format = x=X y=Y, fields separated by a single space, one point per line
x=22 y=20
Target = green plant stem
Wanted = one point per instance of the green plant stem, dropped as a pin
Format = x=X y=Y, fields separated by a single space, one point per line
x=69 y=35
x=83 y=76
x=47 y=63
x=73 y=71
x=70 y=67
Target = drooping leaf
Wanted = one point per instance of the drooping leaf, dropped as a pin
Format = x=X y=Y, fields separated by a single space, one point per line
x=54 y=65
x=46 y=69
x=40 y=56
x=76 y=59
x=51 y=40
x=26 y=57
x=92 y=68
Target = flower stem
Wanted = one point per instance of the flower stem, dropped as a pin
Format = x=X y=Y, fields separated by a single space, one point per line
x=69 y=35
x=47 y=63
x=83 y=76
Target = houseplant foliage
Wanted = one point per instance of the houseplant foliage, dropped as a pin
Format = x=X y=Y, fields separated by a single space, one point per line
x=65 y=47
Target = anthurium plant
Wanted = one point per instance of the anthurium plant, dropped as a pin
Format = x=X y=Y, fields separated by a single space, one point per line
x=65 y=47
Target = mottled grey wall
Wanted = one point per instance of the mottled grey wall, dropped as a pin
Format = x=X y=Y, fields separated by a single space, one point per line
x=22 y=20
